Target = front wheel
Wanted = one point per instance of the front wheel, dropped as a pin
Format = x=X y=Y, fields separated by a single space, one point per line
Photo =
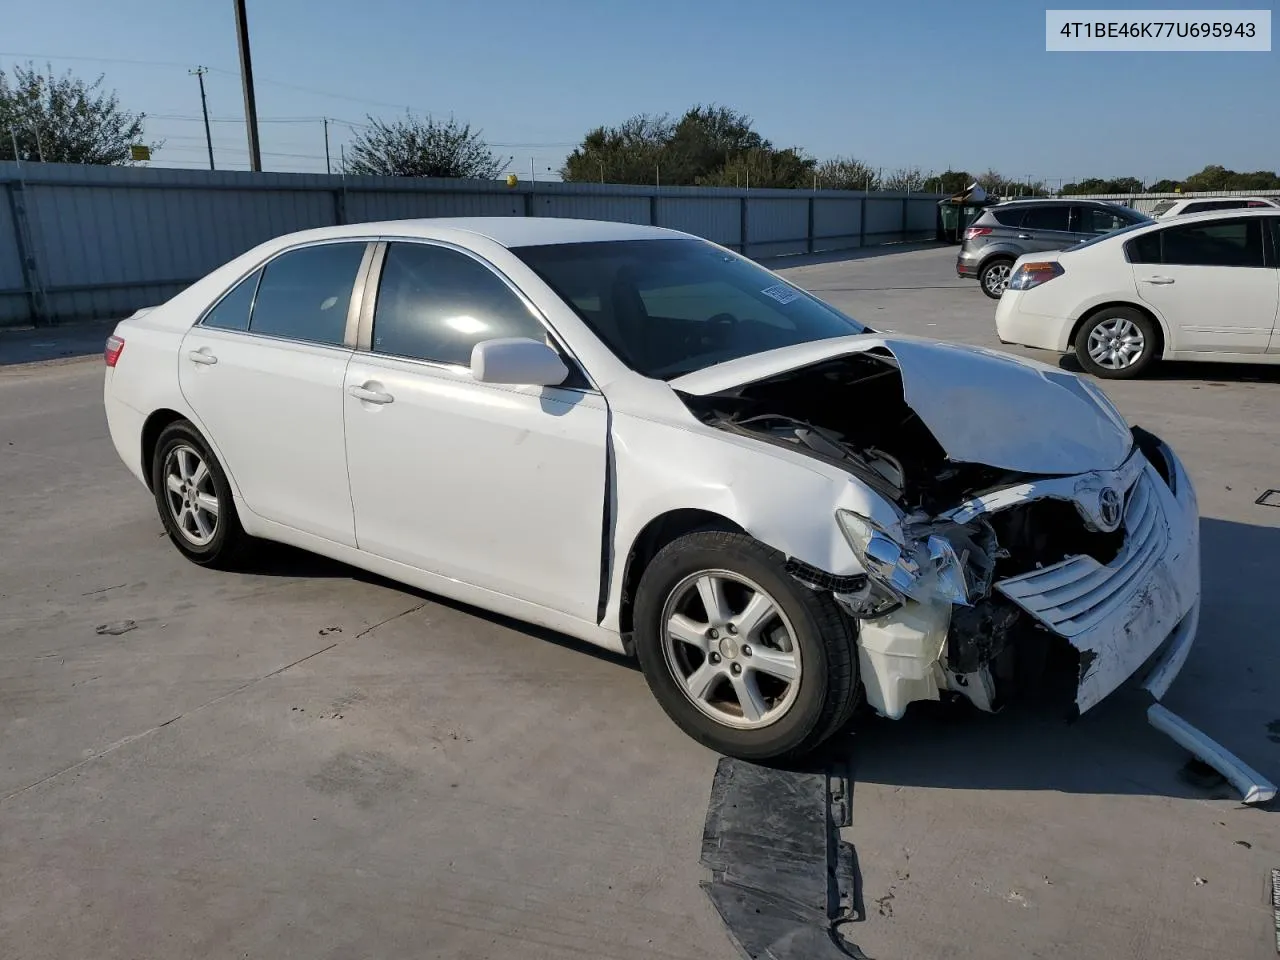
x=744 y=658
x=1117 y=343
x=994 y=277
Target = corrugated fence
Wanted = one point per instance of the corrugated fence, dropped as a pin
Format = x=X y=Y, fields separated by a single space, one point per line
x=80 y=242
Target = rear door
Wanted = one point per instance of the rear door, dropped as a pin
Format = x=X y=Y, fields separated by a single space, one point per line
x=1215 y=282
x=263 y=372
x=1046 y=227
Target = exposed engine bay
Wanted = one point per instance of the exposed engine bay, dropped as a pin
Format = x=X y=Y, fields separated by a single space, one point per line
x=851 y=411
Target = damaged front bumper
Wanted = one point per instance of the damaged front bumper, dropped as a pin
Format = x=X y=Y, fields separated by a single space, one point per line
x=934 y=617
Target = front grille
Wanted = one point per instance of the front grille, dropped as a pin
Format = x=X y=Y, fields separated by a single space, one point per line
x=1072 y=596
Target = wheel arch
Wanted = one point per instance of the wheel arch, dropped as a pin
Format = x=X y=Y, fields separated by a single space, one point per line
x=1087 y=315
x=151 y=430
x=653 y=536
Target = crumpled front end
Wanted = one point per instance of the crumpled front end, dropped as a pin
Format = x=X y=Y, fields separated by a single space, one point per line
x=1106 y=561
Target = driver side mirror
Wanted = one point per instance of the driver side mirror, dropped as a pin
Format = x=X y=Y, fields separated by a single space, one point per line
x=517 y=360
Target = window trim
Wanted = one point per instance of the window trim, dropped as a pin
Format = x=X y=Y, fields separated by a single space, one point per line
x=358 y=287
x=363 y=338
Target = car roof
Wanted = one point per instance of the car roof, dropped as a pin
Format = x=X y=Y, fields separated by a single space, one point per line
x=1221 y=215
x=511 y=231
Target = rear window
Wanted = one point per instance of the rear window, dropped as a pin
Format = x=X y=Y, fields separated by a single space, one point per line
x=1163 y=207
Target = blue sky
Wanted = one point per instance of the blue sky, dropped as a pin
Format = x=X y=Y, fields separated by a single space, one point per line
x=894 y=84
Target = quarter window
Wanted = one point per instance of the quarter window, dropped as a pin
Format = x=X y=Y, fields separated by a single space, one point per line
x=436 y=304
x=232 y=311
x=1219 y=243
x=305 y=293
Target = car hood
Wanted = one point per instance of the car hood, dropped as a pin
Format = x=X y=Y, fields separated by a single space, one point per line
x=982 y=406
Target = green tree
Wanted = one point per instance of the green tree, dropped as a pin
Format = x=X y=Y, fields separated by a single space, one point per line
x=904 y=179
x=845 y=173
x=423 y=147
x=62 y=119
x=764 y=167
x=1163 y=186
x=1096 y=185
x=951 y=181
x=708 y=144
x=1215 y=178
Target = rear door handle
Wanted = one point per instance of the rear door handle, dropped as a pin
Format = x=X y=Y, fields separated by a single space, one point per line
x=370 y=396
x=1025 y=236
x=1158 y=281
x=202 y=356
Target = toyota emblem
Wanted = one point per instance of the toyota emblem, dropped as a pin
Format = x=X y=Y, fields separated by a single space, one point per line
x=1109 y=508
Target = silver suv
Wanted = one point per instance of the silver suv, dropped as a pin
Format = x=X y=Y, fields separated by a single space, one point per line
x=1005 y=231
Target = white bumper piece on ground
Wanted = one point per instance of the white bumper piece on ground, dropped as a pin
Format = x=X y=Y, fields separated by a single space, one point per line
x=1253 y=787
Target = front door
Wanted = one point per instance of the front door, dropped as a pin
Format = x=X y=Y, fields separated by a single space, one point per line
x=1212 y=281
x=263 y=372
x=501 y=487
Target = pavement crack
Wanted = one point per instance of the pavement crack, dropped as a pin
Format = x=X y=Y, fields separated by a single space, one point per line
x=208 y=703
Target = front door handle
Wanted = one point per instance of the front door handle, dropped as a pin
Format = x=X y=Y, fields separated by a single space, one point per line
x=1158 y=281
x=370 y=396
x=1025 y=236
x=202 y=356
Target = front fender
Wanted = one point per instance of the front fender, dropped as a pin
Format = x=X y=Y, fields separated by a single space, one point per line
x=783 y=499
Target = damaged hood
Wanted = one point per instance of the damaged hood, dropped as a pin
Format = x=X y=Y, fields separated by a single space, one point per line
x=982 y=406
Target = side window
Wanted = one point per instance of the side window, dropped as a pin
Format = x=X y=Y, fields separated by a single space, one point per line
x=232 y=311
x=436 y=304
x=1144 y=249
x=1220 y=243
x=1010 y=217
x=1099 y=220
x=304 y=294
x=1051 y=217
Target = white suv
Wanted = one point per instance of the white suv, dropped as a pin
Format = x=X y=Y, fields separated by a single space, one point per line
x=1176 y=208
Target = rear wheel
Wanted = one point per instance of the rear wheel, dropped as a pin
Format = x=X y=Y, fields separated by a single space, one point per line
x=993 y=277
x=740 y=655
x=1117 y=343
x=194 y=498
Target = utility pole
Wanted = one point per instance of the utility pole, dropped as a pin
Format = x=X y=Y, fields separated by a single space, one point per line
x=204 y=108
x=326 y=146
x=246 y=78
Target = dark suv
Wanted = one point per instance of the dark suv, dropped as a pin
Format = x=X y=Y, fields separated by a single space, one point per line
x=1004 y=232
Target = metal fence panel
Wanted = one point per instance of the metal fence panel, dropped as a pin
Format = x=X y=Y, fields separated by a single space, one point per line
x=837 y=224
x=621 y=209
x=103 y=241
x=777 y=227
x=717 y=219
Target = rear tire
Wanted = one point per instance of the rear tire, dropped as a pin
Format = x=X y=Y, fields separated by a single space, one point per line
x=993 y=277
x=1117 y=343
x=722 y=675
x=194 y=498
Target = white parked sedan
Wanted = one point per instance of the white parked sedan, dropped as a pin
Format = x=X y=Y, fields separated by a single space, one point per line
x=653 y=444
x=1200 y=287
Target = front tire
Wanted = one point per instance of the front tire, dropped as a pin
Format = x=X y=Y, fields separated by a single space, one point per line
x=1117 y=343
x=194 y=498
x=993 y=278
x=744 y=658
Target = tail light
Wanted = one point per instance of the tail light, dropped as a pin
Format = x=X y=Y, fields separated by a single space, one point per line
x=1033 y=274
x=972 y=233
x=115 y=346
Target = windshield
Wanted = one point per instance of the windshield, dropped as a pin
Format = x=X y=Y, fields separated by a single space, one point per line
x=669 y=307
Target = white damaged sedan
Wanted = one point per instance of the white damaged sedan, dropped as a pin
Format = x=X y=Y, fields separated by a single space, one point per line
x=648 y=442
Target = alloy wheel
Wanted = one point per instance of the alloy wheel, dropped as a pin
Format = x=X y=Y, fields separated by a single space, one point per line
x=189 y=492
x=731 y=649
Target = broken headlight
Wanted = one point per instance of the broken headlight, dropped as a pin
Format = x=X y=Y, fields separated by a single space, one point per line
x=954 y=566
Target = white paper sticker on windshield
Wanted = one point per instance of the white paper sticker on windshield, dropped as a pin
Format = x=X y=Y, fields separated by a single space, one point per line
x=781 y=293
